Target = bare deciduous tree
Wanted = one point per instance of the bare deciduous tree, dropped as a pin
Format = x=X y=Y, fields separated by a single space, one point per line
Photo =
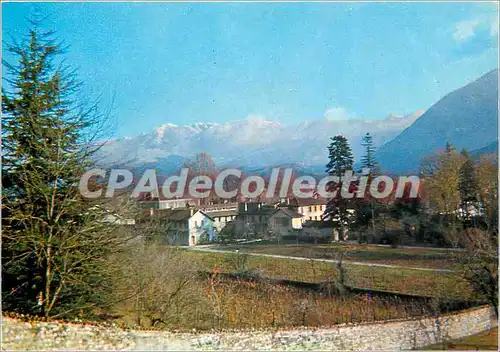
x=479 y=264
x=158 y=281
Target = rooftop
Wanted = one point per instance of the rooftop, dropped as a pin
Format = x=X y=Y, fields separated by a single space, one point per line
x=303 y=202
x=291 y=213
x=219 y=213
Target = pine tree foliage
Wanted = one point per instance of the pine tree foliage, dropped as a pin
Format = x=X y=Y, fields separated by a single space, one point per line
x=340 y=161
x=368 y=159
x=369 y=162
x=449 y=148
x=54 y=242
x=340 y=156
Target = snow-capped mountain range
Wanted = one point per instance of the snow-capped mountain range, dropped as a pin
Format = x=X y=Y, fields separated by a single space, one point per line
x=466 y=117
x=249 y=143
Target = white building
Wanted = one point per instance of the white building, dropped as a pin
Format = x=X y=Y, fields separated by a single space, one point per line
x=166 y=203
x=184 y=226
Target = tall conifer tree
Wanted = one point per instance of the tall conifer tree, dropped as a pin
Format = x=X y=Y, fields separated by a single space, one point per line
x=340 y=161
x=54 y=241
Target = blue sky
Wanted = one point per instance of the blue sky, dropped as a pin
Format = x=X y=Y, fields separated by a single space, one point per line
x=217 y=62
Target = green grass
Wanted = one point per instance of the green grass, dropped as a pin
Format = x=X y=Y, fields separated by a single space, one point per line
x=487 y=340
x=409 y=257
x=388 y=279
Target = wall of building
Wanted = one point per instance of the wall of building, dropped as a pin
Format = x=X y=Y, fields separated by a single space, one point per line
x=297 y=223
x=390 y=335
x=200 y=225
x=311 y=212
x=221 y=221
x=178 y=237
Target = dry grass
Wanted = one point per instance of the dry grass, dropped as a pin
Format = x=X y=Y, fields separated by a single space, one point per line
x=377 y=278
x=173 y=296
x=487 y=340
x=259 y=305
x=231 y=304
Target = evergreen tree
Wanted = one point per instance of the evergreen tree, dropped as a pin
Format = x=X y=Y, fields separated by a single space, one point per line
x=340 y=156
x=467 y=182
x=368 y=159
x=340 y=161
x=368 y=162
x=449 y=148
x=54 y=241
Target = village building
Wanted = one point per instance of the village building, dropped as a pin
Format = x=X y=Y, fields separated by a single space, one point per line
x=183 y=226
x=253 y=219
x=312 y=209
x=222 y=217
x=166 y=203
x=285 y=220
x=218 y=207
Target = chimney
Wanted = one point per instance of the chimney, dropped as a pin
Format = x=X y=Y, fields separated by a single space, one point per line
x=246 y=206
x=288 y=201
x=191 y=211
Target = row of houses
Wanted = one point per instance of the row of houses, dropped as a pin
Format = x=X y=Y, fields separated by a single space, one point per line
x=186 y=222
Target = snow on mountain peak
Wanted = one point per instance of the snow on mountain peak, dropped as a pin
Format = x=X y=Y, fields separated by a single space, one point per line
x=200 y=126
x=253 y=139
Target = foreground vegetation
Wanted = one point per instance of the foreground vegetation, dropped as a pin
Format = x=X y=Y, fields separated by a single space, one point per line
x=487 y=340
x=166 y=290
x=230 y=304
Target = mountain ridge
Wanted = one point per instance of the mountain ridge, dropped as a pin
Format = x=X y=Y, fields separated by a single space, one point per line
x=466 y=117
x=250 y=143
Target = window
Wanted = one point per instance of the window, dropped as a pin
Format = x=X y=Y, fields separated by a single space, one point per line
x=310 y=209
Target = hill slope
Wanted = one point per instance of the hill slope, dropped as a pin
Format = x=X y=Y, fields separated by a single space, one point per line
x=467 y=118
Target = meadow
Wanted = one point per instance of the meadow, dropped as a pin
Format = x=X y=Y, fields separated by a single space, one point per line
x=402 y=280
x=405 y=256
x=182 y=289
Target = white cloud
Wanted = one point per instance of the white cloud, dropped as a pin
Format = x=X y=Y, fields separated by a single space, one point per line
x=465 y=30
x=336 y=114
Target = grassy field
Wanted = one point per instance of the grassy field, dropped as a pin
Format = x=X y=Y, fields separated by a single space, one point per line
x=487 y=340
x=174 y=295
x=389 y=279
x=409 y=257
